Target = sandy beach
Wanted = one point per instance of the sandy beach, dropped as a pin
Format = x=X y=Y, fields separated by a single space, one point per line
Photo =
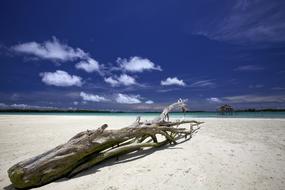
x=229 y=153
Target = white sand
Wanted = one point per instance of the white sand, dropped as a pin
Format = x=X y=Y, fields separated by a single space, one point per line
x=224 y=154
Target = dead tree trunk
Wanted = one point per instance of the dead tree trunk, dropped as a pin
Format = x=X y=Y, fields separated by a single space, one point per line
x=93 y=146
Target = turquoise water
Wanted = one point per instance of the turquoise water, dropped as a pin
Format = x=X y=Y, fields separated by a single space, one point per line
x=191 y=114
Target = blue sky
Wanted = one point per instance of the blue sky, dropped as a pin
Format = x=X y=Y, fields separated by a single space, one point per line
x=141 y=55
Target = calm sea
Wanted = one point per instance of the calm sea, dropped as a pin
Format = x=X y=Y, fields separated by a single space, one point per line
x=191 y=114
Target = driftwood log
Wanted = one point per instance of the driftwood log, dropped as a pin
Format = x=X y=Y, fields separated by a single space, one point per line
x=90 y=147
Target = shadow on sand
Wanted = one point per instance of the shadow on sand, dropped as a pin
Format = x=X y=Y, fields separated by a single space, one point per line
x=124 y=159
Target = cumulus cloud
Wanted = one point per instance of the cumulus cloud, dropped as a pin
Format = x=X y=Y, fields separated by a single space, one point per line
x=214 y=100
x=123 y=79
x=92 y=97
x=61 y=79
x=57 y=51
x=90 y=65
x=51 y=49
x=111 y=81
x=127 y=99
x=149 y=102
x=126 y=80
x=172 y=81
x=203 y=83
x=137 y=64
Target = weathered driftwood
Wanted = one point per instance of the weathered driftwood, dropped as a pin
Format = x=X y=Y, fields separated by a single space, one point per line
x=93 y=146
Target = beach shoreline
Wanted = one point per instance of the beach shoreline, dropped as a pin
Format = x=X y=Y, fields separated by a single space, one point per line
x=226 y=153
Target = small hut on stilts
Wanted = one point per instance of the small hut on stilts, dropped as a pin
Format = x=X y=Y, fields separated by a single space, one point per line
x=226 y=109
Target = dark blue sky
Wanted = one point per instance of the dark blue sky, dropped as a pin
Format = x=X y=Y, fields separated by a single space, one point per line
x=141 y=55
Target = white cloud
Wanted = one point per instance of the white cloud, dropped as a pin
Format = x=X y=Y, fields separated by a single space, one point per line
x=53 y=50
x=111 y=81
x=90 y=65
x=149 y=102
x=249 y=68
x=203 y=83
x=127 y=99
x=92 y=97
x=214 y=99
x=137 y=64
x=172 y=81
x=123 y=79
x=60 y=78
x=57 y=51
x=126 y=80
